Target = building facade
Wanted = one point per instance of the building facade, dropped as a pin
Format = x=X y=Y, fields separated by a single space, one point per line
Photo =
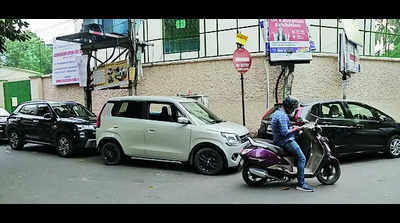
x=196 y=56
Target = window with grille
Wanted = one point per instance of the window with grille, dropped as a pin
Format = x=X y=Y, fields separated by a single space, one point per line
x=180 y=35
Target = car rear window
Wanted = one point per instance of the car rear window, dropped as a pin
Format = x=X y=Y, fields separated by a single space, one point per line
x=129 y=109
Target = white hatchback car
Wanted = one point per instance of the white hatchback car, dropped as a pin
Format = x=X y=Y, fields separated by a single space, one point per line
x=168 y=129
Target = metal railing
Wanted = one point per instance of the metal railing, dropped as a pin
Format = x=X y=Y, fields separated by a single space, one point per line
x=371 y=37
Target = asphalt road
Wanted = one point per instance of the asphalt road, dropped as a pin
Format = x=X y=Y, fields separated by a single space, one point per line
x=37 y=175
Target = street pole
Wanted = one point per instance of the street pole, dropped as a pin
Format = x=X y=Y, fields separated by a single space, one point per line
x=132 y=53
x=243 y=111
x=87 y=89
x=40 y=55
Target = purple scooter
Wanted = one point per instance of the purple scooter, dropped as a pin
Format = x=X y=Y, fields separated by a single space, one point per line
x=264 y=162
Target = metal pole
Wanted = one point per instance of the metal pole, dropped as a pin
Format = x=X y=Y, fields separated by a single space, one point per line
x=243 y=111
x=132 y=52
x=87 y=89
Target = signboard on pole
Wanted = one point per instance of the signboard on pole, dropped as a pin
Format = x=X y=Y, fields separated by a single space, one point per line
x=241 y=60
x=82 y=66
x=241 y=39
x=289 y=40
x=65 y=66
x=114 y=75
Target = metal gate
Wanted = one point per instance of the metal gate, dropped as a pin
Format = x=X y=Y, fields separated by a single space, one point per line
x=15 y=93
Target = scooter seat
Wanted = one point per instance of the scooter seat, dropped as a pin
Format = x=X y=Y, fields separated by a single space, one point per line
x=274 y=148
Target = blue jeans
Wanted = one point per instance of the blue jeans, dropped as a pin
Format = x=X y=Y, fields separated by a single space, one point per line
x=295 y=149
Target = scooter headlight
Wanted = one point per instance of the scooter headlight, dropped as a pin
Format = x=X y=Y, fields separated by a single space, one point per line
x=231 y=139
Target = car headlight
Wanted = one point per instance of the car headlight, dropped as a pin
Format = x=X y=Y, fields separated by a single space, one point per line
x=3 y=119
x=85 y=127
x=231 y=139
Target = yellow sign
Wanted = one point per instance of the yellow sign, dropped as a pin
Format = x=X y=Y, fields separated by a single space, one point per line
x=114 y=75
x=241 y=39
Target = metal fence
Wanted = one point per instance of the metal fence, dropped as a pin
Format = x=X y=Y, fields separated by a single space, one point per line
x=218 y=39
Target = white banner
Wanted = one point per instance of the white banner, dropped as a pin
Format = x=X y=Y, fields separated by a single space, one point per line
x=82 y=67
x=349 y=57
x=290 y=51
x=65 y=66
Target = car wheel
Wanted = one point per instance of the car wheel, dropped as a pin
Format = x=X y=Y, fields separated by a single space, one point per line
x=111 y=153
x=64 y=146
x=15 y=140
x=208 y=161
x=393 y=147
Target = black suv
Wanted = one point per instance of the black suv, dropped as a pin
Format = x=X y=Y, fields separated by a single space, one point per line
x=68 y=126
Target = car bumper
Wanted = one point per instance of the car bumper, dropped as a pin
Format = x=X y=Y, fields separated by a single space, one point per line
x=232 y=154
x=86 y=140
x=3 y=131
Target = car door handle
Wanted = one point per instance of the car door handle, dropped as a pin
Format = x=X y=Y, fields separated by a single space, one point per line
x=35 y=121
x=358 y=126
x=151 y=131
x=115 y=126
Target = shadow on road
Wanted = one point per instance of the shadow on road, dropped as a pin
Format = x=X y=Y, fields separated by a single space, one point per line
x=49 y=150
x=30 y=147
x=361 y=157
x=168 y=166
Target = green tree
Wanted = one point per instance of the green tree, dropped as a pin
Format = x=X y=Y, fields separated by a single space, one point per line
x=12 y=29
x=32 y=54
x=389 y=36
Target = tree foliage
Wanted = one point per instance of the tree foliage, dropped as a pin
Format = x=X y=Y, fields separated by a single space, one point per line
x=31 y=54
x=12 y=29
x=390 y=36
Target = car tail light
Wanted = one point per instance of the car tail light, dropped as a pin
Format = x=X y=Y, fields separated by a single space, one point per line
x=297 y=116
x=98 y=120
x=266 y=113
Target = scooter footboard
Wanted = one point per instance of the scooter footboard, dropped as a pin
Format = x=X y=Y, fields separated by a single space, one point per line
x=315 y=158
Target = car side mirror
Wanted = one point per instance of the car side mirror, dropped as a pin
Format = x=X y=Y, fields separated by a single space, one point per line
x=47 y=116
x=183 y=120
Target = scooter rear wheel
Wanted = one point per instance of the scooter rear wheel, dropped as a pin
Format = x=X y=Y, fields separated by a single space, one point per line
x=330 y=172
x=251 y=179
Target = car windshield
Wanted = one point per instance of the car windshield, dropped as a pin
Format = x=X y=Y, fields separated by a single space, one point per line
x=71 y=110
x=201 y=112
x=81 y=111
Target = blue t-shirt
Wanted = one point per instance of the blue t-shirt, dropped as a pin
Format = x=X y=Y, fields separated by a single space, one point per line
x=281 y=126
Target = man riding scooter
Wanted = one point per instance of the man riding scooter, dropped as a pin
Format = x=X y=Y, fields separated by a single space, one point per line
x=283 y=136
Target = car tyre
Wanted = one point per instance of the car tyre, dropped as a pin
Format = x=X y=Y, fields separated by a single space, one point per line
x=208 y=161
x=111 y=153
x=393 y=147
x=64 y=146
x=15 y=140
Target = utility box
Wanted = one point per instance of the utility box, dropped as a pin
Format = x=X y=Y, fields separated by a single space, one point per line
x=200 y=98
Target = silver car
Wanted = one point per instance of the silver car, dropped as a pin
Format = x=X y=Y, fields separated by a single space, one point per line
x=168 y=129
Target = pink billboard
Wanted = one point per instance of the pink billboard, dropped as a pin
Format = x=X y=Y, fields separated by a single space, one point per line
x=288 y=30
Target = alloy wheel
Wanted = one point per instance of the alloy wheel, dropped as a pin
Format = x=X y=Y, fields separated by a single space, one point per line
x=64 y=146
x=395 y=147
x=110 y=154
x=209 y=161
x=14 y=139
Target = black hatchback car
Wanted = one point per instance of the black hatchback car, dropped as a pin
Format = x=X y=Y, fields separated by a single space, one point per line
x=349 y=125
x=68 y=126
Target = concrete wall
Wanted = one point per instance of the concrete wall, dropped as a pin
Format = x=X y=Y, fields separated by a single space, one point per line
x=375 y=85
x=73 y=92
